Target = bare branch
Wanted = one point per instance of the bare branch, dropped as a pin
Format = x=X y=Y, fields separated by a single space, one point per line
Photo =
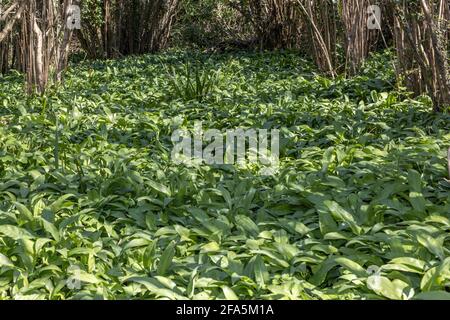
x=10 y=25
x=9 y=10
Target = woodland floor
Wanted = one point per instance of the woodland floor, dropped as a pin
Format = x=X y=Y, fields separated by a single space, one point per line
x=91 y=205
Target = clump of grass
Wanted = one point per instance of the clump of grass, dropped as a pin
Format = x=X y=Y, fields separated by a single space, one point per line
x=193 y=82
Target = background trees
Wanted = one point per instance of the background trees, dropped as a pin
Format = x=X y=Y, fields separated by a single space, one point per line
x=113 y=28
x=34 y=37
x=421 y=34
x=276 y=23
x=10 y=50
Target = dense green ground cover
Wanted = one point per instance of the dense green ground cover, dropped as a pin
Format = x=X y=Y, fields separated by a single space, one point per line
x=88 y=191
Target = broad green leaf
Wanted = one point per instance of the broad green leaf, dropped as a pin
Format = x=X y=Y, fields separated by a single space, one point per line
x=166 y=259
x=24 y=211
x=160 y=187
x=4 y=261
x=14 y=232
x=229 y=293
x=386 y=288
x=261 y=273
